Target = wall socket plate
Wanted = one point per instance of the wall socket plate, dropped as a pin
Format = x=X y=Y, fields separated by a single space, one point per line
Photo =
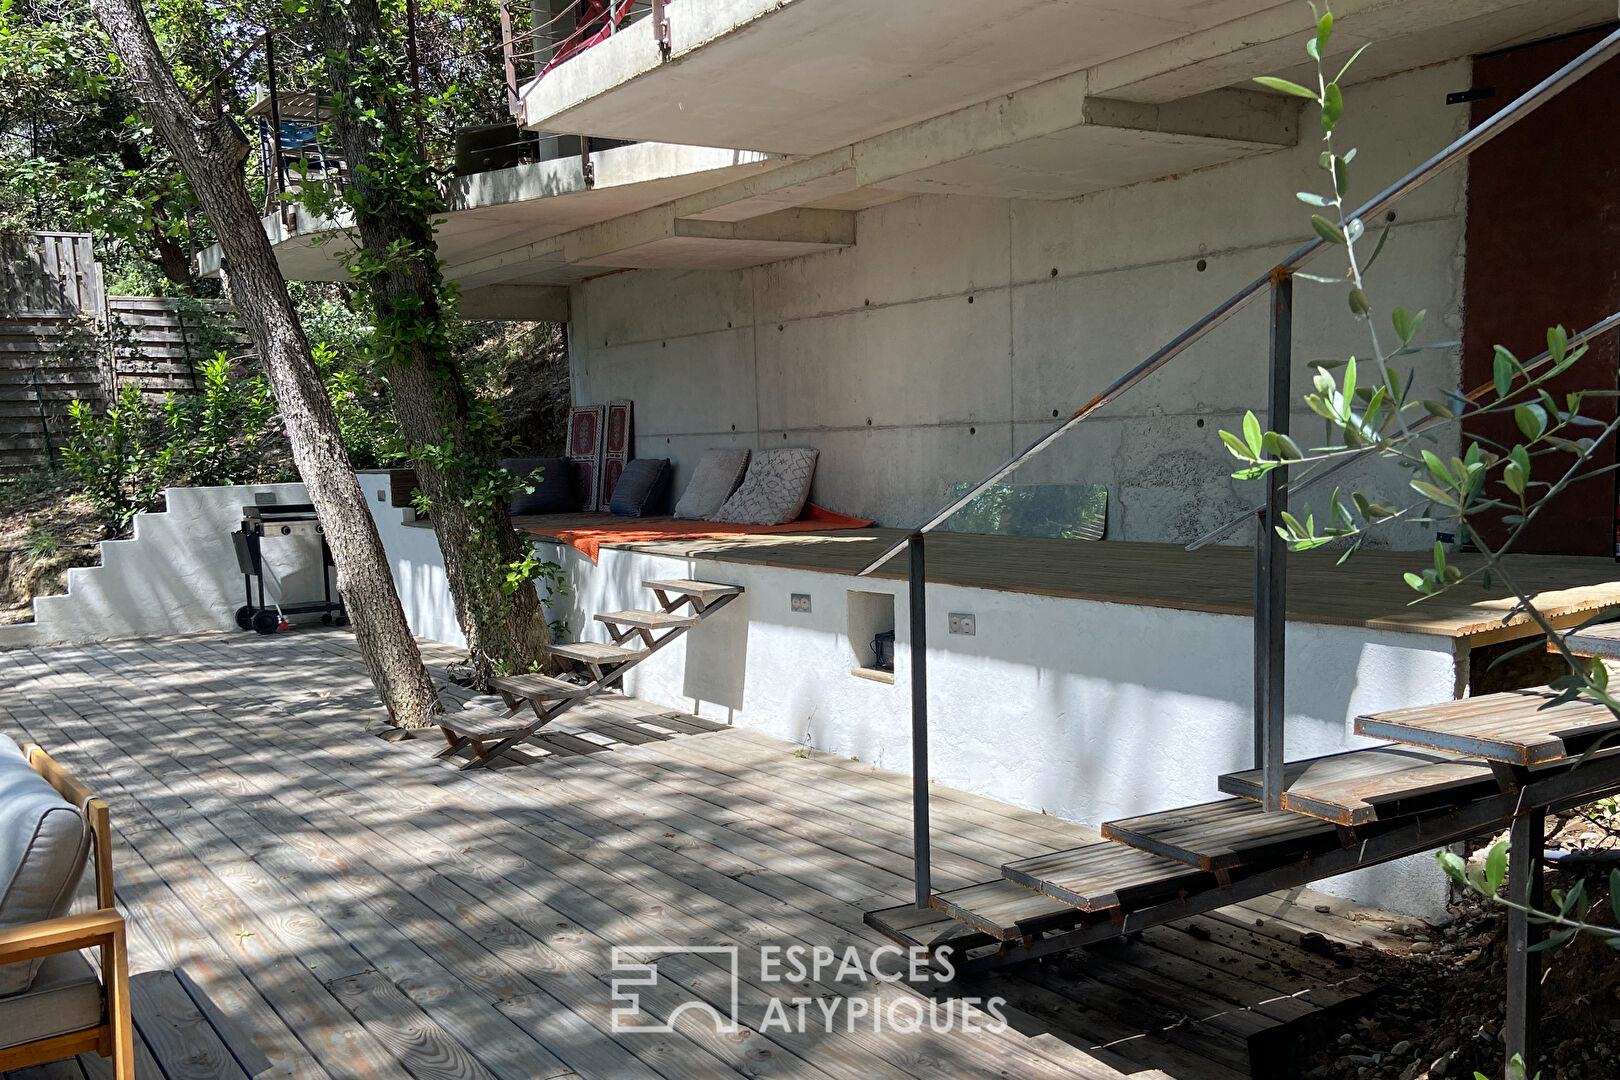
x=800 y=602
x=959 y=622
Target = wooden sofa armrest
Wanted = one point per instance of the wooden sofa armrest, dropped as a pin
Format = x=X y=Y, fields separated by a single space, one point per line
x=64 y=934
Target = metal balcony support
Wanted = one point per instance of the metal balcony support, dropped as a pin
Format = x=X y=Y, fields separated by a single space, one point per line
x=917 y=590
x=660 y=28
x=1271 y=559
x=514 y=101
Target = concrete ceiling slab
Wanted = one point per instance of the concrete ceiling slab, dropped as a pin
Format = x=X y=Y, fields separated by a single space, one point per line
x=805 y=76
x=702 y=253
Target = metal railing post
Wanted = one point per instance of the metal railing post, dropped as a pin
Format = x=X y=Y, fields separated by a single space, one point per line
x=917 y=589
x=509 y=58
x=1526 y=887
x=1271 y=559
x=660 y=20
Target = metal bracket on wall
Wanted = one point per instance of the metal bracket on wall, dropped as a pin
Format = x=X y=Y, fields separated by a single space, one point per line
x=586 y=167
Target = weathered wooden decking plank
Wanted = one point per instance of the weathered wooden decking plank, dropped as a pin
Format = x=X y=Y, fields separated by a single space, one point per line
x=1223 y=834
x=1361 y=786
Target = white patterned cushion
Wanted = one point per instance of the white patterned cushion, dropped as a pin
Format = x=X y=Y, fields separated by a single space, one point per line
x=774 y=491
x=717 y=475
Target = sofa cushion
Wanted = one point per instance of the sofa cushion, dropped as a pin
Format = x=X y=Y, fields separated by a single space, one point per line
x=65 y=996
x=774 y=490
x=43 y=844
x=642 y=490
x=553 y=489
x=717 y=475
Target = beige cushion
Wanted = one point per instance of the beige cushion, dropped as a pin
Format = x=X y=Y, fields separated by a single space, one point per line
x=43 y=844
x=717 y=475
x=774 y=491
x=64 y=996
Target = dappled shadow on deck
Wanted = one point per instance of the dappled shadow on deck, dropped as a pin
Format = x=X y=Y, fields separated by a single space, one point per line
x=308 y=900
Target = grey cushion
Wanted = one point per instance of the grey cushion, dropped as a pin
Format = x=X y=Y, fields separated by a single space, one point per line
x=717 y=475
x=774 y=491
x=65 y=996
x=642 y=490
x=43 y=844
x=553 y=489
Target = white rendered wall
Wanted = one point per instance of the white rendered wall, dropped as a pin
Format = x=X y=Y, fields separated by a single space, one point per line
x=418 y=565
x=1087 y=711
x=955 y=328
x=176 y=575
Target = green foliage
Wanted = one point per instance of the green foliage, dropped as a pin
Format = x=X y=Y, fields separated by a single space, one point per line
x=1488 y=479
x=122 y=458
x=42 y=543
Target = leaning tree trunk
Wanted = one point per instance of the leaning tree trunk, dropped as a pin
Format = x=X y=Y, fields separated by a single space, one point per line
x=451 y=438
x=211 y=154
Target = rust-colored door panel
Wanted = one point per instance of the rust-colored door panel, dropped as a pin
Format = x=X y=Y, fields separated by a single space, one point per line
x=1543 y=248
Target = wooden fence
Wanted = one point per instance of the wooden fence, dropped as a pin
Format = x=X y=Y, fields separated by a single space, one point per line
x=63 y=339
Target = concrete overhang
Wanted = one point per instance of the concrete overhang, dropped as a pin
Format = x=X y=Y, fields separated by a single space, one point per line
x=806 y=76
x=702 y=244
x=490 y=212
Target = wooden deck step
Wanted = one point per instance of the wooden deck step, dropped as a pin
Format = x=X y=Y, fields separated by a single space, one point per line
x=1362 y=786
x=705 y=592
x=647 y=620
x=1099 y=877
x=1600 y=640
x=1515 y=727
x=1007 y=911
x=476 y=723
x=595 y=652
x=912 y=926
x=1224 y=834
x=536 y=687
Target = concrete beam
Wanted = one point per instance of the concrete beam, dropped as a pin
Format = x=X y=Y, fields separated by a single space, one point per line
x=796 y=226
x=516 y=303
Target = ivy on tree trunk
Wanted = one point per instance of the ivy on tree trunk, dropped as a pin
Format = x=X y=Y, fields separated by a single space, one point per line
x=450 y=435
x=212 y=151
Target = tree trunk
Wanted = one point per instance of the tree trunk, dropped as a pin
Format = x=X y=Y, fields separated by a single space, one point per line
x=451 y=438
x=211 y=153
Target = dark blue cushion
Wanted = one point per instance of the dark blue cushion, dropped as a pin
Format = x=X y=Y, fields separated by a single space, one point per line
x=553 y=493
x=643 y=489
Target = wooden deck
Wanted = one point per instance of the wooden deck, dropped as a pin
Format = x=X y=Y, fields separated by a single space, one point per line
x=1366 y=591
x=310 y=901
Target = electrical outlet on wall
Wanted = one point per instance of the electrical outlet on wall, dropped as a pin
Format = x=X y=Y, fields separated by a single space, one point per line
x=960 y=623
x=800 y=602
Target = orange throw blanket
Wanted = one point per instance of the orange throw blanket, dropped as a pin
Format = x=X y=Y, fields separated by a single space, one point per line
x=588 y=532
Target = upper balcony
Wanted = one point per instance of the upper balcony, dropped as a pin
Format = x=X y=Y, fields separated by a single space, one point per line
x=808 y=76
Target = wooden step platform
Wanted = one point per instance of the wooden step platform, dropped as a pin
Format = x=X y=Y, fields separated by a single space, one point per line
x=480 y=724
x=1515 y=727
x=1107 y=875
x=637 y=619
x=1006 y=911
x=1224 y=834
x=595 y=653
x=701 y=593
x=1600 y=640
x=533 y=686
x=926 y=928
x=1362 y=786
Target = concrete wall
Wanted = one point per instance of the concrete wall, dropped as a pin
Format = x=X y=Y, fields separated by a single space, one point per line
x=176 y=575
x=956 y=328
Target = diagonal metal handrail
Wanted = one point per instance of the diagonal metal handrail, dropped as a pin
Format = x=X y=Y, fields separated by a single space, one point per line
x=1458 y=150
x=1596 y=330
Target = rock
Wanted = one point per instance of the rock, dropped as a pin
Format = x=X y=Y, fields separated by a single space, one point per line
x=1420 y=947
x=1346 y=1039
x=1411 y=1071
x=1401 y=1049
x=1468 y=1021
x=1323 y=909
x=1447 y=1043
